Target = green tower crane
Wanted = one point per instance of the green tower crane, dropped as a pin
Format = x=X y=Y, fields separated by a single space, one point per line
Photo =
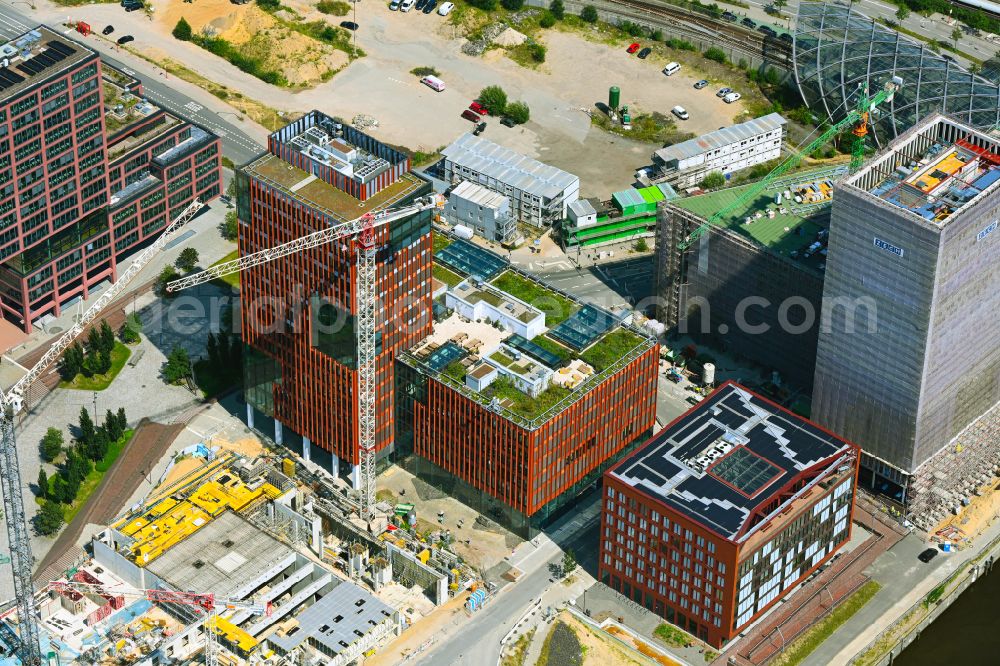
x=857 y=117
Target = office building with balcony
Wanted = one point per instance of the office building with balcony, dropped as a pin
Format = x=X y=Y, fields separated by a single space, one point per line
x=298 y=312
x=714 y=519
x=521 y=395
x=909 y=353
x=59 y=187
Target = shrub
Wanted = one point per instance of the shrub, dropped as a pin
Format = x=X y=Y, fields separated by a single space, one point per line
x=49 y=518
x=558 y=9
x=641 y=245
x=589 y=14
x=187 y=260
x=177 y=367
x=680 y=44
x=512 y=5
x=229 y=228
x=494 y=99
x=631 y=29
x=657 y=35
x=52 y=444
x=334 y=7
x=547 y=20
x=537 y=52
x=485 y=5
x=182 y=30
x=518 y=112
x=269 y=5
x=716 y=54
x=424 y=71
x=713 y=180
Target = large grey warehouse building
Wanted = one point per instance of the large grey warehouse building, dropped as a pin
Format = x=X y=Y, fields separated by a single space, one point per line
x=909 y=350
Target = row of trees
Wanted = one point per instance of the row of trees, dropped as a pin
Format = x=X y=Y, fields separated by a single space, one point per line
x=94 y=359
x=92 y=445
x=494 y=98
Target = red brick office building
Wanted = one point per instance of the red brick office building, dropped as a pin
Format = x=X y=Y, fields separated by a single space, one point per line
x=298 y=312
x=56 y=183
x=725 y=510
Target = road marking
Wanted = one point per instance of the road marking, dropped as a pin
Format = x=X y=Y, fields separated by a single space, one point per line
x=193 y=106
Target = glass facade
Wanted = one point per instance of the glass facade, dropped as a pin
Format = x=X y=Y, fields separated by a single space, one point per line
x=836 y=49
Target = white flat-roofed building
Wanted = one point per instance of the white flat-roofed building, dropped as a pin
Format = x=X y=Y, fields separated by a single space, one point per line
x=486 y=212
x=726 y=150
x=538 y=193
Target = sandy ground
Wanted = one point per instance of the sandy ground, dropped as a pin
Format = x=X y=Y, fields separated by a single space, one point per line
x=421 y=635
x=980 y=513
x=599 y=648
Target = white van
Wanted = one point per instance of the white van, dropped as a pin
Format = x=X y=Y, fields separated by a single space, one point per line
x=407 y=5
x=446 y=8
x=433 y=82
x=671 y=69
x=731 y=97
x=680 y=112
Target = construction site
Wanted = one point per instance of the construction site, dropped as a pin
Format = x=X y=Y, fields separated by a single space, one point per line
x=247 y=560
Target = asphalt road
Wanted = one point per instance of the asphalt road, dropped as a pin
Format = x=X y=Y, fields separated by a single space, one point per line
x=236 y=145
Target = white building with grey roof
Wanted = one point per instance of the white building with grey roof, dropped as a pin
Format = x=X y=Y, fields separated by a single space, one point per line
x=486 y=212
x=538 y=193
x=725 y=150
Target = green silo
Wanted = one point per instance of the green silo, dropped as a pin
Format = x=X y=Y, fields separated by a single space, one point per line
x=614 y=98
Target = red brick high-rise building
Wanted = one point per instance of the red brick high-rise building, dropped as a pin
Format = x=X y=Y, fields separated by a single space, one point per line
x=83 y=181
x=298 y=312
x=722 y=512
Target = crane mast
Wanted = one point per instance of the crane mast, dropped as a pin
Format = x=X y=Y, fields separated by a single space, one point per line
x=11 y=403
x=857 y=118
x=366 y=307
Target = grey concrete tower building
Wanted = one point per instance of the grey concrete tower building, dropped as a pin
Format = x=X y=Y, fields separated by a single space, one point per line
x=909 y=348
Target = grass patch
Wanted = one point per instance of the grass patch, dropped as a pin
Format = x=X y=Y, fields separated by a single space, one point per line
x=212 y=383
x=424 y=71
x=238 y=56
x=233 y=279
x=650 y=128
x=418 y=158
x=93 y=479
x=518 y=652
x=119 y=355
x=803 y=646
x=385 y=495
x=335 y=7
x=610 y=349
x=449 y=277
x=672 y=636
x=439 y=241
x=555 y=306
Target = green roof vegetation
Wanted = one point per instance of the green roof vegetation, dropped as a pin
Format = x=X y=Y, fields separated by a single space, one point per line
x=610 y=349
x=778 y=233
x=550 y=345
x=450 y=278
x=439 y=241
x=521 y=403
x=456 y=369
x=555 y=306
x=488 y=296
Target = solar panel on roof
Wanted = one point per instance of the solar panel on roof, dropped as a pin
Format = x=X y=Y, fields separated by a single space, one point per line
x=470 y=259
x=583 y=327
x=537 y=352
x=65 y=49
x=30 y=67
x=9 y=78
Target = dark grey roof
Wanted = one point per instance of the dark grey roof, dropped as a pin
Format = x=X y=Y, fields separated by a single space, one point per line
x=732 y=439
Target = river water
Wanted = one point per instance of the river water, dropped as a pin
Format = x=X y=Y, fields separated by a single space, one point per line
x=968 y=633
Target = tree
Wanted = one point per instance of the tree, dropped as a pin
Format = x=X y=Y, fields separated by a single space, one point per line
x=43 y=484
x=569 y=562
x=903 y=13
x=558 y=9
x=177 y=367
x=518 y=112
x=49 y=518
x=589 y=14
x=230 y=227
x=657 y=36
x=130 y=329
x=547 y=20
x=168 y=274
x=182 y=30
x=99 y=447
x=87 y=429
x=103 y=362
x=60 y=490
x=512 y=5
x=224 y=351
x=122 y=420
x=71 y=362
x=537 y=51
x=713 y=180
x=779 y=4
x=187 y=260
x=52 y=443
x=107 y=336
x=956 y=34
x=641 y=245
x=111 y=425
x=494 y=99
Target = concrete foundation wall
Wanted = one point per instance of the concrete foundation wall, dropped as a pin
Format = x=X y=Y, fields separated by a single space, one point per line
x=405 y=565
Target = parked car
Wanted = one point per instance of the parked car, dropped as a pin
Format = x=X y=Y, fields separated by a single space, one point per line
x=507 y=122
x=407 y=5
x=723 y=92
x=643 y=54
x=132 y=5
x=429 y=7
x=671 y=68
x=480 y=128
x=420 y=5
x=927 y=555
x=700 y=84
x=680 y=112
x=767 y=30
x=476 y=107
x=107 y=31
x=633 y=47
x=433 y=82
x=394 y=5
x=729 y=16
x=446 y=8
x=470 y=116
x=349 y=25
x=749 y=22
x=126 y=39
x=732 y=97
